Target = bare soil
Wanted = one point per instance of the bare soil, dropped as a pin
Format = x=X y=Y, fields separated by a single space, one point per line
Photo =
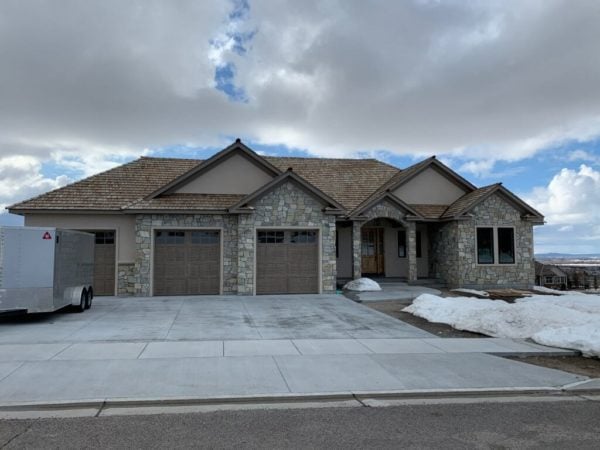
x=589 y=367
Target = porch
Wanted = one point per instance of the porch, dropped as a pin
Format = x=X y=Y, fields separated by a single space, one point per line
x=386 y=250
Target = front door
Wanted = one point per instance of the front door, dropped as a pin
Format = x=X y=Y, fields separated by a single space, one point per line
x=372 y=251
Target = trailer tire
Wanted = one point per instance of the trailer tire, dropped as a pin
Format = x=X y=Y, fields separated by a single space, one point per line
x=82 y=303
x=88 y=298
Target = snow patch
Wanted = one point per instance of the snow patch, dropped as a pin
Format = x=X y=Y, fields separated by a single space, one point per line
x=471 y=291
x=362 y=285
x=569 y=321
x=545 y=290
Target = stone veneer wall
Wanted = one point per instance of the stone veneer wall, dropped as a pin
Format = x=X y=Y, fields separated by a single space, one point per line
x=385 y=209
x=126 y=279
x=143 y=241
x=455 y=253
x=286 y=205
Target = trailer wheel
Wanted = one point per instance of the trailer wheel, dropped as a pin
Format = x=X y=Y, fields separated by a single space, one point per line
x=82 y=303
x=88 y=298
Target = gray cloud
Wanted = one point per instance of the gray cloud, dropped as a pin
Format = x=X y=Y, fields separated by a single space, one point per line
x=84 y=84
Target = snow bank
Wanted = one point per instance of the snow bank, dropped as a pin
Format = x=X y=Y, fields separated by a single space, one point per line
x=545 y=290
x=570 y=321
x=471 y=291
x=362 y=285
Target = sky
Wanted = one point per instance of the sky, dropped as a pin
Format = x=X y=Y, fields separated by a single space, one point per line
x=504 y=90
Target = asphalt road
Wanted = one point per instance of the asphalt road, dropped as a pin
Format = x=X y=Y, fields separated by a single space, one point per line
x=563 y=424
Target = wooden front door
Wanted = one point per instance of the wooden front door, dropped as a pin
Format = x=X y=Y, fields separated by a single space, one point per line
x=372 y=251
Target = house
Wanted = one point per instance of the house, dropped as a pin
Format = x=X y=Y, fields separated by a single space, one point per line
x=550 y=276
x=248 y=224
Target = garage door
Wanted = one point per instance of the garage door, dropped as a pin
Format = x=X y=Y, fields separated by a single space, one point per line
x=104 y=263
x=186 y=262
x=287 y=262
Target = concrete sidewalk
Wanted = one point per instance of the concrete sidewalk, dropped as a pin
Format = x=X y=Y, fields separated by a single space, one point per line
x=205 y=369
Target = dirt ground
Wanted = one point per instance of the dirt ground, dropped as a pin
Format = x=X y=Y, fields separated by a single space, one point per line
x=589 y=367
x=579 y=365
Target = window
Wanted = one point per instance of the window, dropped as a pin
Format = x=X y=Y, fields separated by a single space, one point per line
x=506 y=245
x=303 y=237
x=549 y=280
x=170 y=237
x=495 y=245
x=205 y=237
x=270 y=237
x=402 y=247
x=105 y=237
x=485 y=245
x=402 y=243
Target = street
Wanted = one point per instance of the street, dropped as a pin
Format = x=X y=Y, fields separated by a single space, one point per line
x=523 y=423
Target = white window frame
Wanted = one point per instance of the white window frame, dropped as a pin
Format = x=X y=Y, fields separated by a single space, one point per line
x=496 y=262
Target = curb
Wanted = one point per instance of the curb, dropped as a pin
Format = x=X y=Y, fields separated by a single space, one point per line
x=587 y=387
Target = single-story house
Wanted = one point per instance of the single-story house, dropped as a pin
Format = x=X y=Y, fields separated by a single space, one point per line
x=550 y=276
x=242 y=223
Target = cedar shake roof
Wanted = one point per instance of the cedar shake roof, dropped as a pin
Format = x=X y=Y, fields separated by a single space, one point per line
x=188 y=202
x=351 y=184
x=469 y=200
x=430 y=211
x=113 y=189
x=348 y=181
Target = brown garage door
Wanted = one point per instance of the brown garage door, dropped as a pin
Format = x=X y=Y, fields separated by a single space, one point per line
x=104 y=263
x=287 y=262
x=186 y=262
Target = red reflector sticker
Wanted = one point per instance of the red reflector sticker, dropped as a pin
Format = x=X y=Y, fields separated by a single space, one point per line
x=47 y=236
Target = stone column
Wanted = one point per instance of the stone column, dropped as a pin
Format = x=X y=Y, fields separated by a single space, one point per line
x=412 y=251
x=356 y=250
x=245 y=265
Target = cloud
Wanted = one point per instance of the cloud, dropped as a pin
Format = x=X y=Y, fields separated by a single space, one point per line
x=569 y=203
x=86 y=85
x=21 y=177
x=582 y=155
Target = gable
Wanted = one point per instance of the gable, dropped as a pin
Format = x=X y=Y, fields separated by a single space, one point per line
x=429 y=187
x=236 y=174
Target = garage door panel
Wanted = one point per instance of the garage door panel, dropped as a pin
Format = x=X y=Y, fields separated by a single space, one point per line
x=187 y=262
x=287 y=262
x=104 y=262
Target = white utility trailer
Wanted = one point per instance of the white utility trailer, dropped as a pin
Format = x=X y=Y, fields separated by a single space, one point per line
x=45 y=269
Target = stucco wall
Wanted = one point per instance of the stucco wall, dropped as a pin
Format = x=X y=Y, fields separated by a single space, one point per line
x=146 y=223
x=456 y=252
x=429 y=187
x=123 y=224
x=235 y=175
x=286 y=205
x=396 y=266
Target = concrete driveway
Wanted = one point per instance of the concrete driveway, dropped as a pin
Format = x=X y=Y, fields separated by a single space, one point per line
x=208 y=318
x=203 y=347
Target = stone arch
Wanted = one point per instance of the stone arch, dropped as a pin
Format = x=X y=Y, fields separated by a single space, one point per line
x=386 y=210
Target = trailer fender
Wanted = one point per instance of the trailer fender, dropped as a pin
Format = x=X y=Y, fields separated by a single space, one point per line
x=73 y=295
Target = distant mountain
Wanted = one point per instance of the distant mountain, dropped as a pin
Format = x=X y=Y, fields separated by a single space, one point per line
x=569 y=256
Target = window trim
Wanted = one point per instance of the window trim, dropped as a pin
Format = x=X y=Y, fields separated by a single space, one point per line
x=496 y=249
